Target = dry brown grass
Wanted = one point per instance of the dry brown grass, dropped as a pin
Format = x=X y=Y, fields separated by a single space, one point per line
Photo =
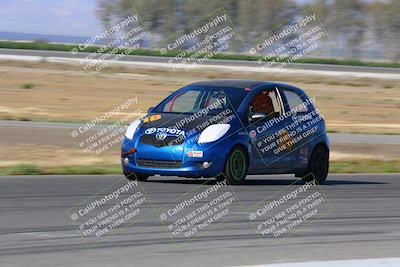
x=54 y=156
x=58 y=92
x=62 y=92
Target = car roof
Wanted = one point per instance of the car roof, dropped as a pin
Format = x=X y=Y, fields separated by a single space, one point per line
x=230 y=83
x=244 y=84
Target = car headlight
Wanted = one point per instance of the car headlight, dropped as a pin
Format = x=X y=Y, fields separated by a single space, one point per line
x=132 y=129
x=213 y=133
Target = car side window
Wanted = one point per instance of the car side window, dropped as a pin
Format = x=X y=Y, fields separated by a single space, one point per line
x=266 y=102
x=182 y=103
x=295 y=101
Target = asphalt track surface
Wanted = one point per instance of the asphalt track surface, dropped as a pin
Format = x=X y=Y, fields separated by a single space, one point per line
x=35 y=230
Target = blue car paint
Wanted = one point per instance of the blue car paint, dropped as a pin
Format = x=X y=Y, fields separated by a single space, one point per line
x=217 y=152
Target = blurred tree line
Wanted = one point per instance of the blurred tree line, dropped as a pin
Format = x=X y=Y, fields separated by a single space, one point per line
x=357 y=29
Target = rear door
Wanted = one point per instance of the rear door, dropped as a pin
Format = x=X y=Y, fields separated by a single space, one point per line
x=303 y=124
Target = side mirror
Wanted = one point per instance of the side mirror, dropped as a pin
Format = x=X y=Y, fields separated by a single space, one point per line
x=150 y=110
x=257 y=116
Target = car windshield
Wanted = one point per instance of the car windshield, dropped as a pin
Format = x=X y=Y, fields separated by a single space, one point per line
x=194 y=99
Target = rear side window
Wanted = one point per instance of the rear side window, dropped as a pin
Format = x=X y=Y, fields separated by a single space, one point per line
x=295 y=101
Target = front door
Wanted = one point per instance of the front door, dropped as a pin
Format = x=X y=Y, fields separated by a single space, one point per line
x=268 y=134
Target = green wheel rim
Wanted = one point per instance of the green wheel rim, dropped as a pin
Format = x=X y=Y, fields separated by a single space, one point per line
x=237 y=164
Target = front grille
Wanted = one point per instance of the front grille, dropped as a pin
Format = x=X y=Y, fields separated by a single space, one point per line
x=160 y=164
x=168 y=141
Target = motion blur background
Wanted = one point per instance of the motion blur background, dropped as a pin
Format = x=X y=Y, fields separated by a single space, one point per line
x=354 y=76
x=368 y=30
x=46 y=96
x=358 y=29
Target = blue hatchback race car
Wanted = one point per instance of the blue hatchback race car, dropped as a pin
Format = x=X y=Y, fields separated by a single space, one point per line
x=227 y=129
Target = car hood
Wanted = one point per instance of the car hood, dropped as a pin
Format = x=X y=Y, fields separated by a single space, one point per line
x=181 y=121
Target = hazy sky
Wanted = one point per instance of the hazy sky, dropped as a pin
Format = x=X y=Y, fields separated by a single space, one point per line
x=63 y=17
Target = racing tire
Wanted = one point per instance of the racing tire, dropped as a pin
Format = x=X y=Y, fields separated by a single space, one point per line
x=236 y=166
x=318 y=167
x=135 y=176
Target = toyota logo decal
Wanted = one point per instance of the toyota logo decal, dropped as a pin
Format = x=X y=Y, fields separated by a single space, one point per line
x=161 y=136
x=151 y=130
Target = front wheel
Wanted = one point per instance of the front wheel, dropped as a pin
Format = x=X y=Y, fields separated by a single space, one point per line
x=135 y=176
x=318 y=166
x=236 y=166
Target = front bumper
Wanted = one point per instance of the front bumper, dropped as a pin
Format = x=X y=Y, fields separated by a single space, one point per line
x=185 y=166
x=187 y=169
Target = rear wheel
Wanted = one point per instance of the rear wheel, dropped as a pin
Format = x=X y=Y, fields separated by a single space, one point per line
x=236 y=166
x=318 y=166
x=135 y=176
